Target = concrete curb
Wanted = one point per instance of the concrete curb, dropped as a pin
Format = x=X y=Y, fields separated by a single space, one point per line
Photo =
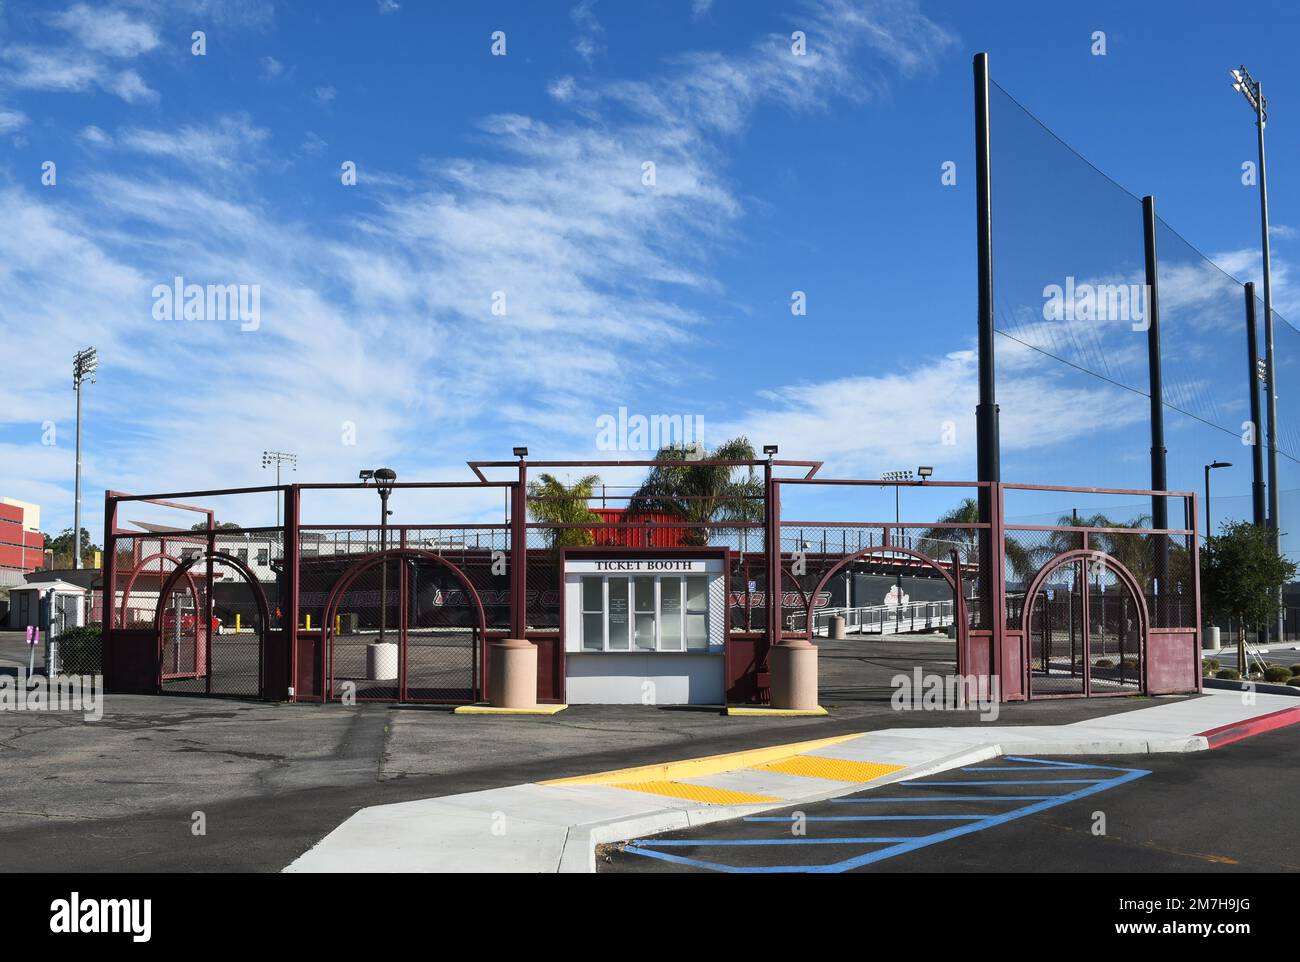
x=1264 y=688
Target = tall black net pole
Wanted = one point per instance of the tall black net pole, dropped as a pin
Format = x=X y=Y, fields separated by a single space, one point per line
x=1159 y=478
x=986 y=414
x=1258 y=511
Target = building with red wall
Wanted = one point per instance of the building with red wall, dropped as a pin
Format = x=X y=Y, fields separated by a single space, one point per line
x=22 y=546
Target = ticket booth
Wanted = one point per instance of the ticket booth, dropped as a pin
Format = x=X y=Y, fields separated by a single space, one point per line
x=645 y=628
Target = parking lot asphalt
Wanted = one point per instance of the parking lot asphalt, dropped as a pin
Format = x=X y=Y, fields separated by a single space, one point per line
x=1226 y=810
x=270 y=779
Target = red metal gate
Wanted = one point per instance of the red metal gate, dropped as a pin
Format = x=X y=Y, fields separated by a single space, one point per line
x=1085 y=625
x=404 y=625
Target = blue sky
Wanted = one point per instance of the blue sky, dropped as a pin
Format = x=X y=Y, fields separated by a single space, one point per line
x=523 y=174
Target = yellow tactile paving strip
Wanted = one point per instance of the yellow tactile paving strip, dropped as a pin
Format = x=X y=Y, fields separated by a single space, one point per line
x=665 y=779
x=697 y=793
x=833 y=769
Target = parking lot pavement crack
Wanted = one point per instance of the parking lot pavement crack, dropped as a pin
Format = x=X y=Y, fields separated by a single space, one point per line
x=48 y=815
x=366 y=739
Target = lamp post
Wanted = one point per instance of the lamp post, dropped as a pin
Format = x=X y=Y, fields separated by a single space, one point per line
x=1253 y=91
x=383 y=478
x=278 y=458
x=84 y=365
x=1208 y=468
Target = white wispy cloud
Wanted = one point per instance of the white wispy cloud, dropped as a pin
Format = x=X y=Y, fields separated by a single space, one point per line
x=108 y=31
x=230 y=142
x=11 y=120
x=69 y=70
x=95 y=136
x=387 y=323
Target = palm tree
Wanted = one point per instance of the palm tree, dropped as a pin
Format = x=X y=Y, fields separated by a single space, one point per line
x=551 y=501
x=681 y=486
x=939 y=543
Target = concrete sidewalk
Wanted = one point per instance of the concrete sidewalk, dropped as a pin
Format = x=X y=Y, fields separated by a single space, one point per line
x=555 y=826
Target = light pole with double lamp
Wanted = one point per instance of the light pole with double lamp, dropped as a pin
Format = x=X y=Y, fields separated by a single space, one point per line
x=1253 y=91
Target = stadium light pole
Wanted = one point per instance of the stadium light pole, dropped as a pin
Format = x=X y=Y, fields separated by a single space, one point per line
x=1208 y=468
x=1253 y=91
x=84 y=365
x=896 y=477
x=278 y=458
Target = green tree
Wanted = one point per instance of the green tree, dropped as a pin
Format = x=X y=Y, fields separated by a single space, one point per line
x=60 y=547
x=1241 y=575
x=682 y=486
x=553 y=502
x=219 y=526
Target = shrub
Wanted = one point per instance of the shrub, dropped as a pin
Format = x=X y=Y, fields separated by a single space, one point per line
x=1294 y=681
x=81 y=650
x=1131 y=663
x=1103 y=663
x=1210 y=665
x=1295 y=669
x=1231 y=674
x=1276 y=673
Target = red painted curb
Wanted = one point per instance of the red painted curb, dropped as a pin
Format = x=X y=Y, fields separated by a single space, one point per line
x=1227 y=734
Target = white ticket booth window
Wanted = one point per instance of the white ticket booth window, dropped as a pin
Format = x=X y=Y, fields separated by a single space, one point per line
x=645 y=631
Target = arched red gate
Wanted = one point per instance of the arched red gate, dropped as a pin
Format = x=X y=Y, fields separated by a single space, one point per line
x=404 y=625
x=204 y=650
x=1086 y=624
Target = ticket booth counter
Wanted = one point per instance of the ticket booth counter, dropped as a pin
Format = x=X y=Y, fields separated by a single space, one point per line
x=646 y=627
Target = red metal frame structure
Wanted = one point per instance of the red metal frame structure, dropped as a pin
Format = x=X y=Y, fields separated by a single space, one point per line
x=510 y=573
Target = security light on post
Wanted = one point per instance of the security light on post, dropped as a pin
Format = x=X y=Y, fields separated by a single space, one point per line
x=1208 y=468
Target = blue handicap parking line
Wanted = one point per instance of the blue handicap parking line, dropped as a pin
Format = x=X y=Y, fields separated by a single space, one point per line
x=857 y=818
x=893 y=847
x=939 y=798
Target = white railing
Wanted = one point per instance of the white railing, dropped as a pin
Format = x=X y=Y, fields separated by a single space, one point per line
x=879 y=619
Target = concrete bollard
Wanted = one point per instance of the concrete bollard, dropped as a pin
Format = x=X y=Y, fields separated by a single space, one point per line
x=1212 y=642
x=837 y=627
x=794 y=675
x=512 y=673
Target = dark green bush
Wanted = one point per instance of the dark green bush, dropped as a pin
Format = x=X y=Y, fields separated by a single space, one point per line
x=1231 y=674
x=81 y=651
x=1210 y=665
x=1276 y=673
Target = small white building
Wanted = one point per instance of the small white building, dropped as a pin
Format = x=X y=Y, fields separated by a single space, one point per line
x=47 y=604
